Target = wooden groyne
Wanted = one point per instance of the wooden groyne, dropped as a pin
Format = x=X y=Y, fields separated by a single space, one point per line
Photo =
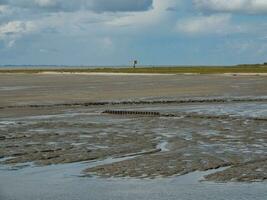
x=126 y=112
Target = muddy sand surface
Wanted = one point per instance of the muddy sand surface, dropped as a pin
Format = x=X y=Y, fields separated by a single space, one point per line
x=25 y=89
x=206 y=123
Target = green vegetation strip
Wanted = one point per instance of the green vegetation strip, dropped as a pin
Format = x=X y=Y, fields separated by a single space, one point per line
x=155 y=70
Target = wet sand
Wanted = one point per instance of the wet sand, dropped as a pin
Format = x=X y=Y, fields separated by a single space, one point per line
x=206 y=122
x=25 y=89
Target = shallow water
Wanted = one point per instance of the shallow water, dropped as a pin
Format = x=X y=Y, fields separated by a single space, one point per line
x=65 y=182
x=61 y=182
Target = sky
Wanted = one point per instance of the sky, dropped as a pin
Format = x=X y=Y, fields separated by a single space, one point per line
x=114 y=32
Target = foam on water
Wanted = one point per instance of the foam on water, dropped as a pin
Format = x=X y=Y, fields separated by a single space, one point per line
x=163 y=146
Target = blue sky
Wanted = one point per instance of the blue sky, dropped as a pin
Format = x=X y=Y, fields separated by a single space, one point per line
x=113 y=32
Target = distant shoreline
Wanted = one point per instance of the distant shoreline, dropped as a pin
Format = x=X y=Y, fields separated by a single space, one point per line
x=145 y=74
x=227 y=70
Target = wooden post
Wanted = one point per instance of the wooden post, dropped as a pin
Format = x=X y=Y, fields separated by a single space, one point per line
x=134 y=63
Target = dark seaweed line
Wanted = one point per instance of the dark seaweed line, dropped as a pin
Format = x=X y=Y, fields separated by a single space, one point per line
x=104 y=103
x=226 y=117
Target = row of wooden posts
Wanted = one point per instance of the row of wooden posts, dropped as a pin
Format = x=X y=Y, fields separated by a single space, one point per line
x=124 y=112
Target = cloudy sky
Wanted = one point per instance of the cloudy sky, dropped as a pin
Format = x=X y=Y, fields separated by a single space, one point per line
x=113 y=32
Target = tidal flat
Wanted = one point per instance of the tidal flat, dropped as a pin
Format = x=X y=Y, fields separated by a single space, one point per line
x=208 y=142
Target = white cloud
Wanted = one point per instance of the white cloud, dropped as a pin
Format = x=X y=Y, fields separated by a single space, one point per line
x=87 y=17
x=148 y=18
x=5 y=11
x=45 y=3
x=213 y=24
x=10 y=31
x=16 y=27
x=244 y=6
